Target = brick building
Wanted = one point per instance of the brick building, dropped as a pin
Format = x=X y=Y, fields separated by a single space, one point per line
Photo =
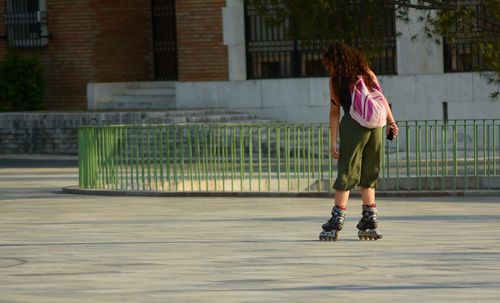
x=116 y=41
x=216 y=53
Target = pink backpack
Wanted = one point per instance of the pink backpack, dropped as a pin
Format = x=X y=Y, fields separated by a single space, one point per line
x=367 y=107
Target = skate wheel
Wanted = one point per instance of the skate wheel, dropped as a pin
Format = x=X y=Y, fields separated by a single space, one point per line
x=328 y=236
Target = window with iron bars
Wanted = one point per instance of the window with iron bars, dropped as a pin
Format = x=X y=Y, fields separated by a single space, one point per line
x=462 y=53
x=271 y=55
x=26 y=23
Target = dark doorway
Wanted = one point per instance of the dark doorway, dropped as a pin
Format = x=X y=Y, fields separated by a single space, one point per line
x=165 y=39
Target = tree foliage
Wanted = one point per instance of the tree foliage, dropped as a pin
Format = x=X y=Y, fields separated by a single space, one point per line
x=360 y=23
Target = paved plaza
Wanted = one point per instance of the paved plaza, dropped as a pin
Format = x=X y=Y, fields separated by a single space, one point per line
x=57 y=247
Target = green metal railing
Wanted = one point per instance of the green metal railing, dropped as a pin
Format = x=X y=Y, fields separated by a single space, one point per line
x=427 y=155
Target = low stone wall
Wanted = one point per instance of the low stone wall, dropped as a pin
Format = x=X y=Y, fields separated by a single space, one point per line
x=413 y=97
x=56 y=132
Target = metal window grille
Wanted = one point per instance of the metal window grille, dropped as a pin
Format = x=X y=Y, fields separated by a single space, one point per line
x=461 y=54
x=460 y=57
x=384 y=62
x=26 y=22
x=270 y=54
x=165 y=39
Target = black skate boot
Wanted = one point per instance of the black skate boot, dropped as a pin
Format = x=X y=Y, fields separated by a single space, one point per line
x=333 y=226
x=368 y=224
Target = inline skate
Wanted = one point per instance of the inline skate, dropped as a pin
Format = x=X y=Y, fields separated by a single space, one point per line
x=368 y=224
x=333 y=226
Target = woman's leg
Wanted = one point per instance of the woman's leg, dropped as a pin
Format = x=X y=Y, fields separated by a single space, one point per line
x=372 y=158
x=370 y=168
x=341 y=198
x=368 y=195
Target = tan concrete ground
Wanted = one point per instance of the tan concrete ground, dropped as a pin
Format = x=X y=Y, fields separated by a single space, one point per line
x=63 y=248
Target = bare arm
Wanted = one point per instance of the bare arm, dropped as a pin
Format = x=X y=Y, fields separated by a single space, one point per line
x=391 y=122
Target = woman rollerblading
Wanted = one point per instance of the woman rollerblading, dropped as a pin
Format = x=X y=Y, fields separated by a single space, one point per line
x=355 y=88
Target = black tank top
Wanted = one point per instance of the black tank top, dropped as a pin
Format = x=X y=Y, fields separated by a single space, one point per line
x=345 y=95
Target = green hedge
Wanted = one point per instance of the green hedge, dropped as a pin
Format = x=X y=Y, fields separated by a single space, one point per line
x=21 y=83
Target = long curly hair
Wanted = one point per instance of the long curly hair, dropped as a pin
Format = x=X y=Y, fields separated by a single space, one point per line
x=344 y=64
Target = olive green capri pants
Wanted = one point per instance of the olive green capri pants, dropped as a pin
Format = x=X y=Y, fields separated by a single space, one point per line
x=360 y=155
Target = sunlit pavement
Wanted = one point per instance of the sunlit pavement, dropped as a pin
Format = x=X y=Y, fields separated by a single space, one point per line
x=57 y=247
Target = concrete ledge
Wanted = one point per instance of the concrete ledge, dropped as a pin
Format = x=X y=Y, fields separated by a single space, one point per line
x=472 y=193
x=37 y=161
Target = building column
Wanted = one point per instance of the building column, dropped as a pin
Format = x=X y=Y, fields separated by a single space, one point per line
x=233 y=16
x=422 y=56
